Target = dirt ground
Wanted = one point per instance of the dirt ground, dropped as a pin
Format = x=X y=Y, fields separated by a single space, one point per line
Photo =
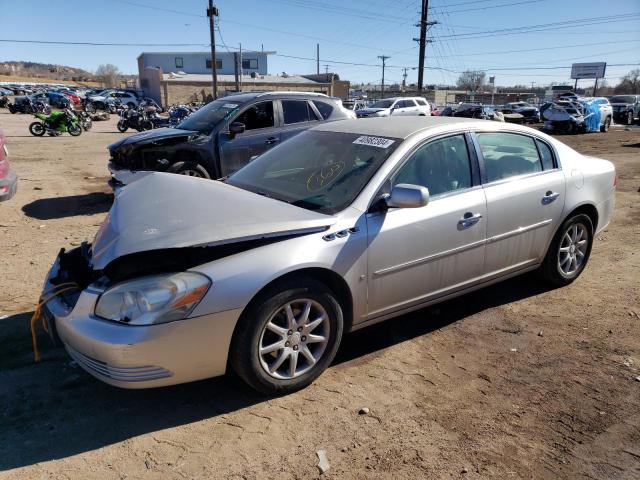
x=514 y=381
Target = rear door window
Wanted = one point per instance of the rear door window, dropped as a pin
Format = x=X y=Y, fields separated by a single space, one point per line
x=508 y=155
x=296 y=111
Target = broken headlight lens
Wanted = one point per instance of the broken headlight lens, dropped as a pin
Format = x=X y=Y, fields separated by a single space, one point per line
x=153 y=299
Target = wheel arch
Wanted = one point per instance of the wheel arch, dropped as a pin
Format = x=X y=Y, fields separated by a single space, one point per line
x=589 y=210
x=329 y=278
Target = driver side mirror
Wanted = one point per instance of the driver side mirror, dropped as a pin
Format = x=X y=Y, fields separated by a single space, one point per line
x=405 y=195
x=236 y=128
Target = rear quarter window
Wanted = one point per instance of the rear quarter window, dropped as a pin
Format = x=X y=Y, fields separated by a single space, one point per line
x=324 y=108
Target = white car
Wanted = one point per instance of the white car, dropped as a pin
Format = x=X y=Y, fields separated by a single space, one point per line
x=400 y=106
x=112 y=96
x=606 y=113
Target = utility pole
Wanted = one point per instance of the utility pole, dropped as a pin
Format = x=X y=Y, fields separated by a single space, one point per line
x=318 y=58
x=213 y=12
x=384 y=59
x=422 y=41
x=404 y=79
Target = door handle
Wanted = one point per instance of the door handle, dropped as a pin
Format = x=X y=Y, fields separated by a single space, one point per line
x=272 y=140
x=549 y=197
x=469 y=219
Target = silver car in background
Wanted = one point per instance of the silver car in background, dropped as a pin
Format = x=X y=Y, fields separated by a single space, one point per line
x=345 y=225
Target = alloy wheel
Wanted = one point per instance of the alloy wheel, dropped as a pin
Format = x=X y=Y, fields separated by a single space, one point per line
x=573 y=249
x=294 y=339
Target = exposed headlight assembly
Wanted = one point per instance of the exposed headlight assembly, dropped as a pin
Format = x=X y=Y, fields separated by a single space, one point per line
x=153 y=299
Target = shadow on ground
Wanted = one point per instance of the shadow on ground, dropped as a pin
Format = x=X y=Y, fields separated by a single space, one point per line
x=53 y=409
x=71 y=206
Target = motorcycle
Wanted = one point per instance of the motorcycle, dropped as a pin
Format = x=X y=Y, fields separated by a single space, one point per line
x=56 y=124
x=26 y=105
x=85 y=120
x=4 y=101
x=176 y=115
x=135 y=118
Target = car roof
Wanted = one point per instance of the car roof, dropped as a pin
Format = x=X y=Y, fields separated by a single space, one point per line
x=395 y=127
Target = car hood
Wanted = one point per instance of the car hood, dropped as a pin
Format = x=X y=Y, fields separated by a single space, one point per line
x=163 y=210
x=150 y=136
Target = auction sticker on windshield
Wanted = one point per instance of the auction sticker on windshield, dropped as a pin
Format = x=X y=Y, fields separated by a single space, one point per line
x=230 y=105
x=373 y=141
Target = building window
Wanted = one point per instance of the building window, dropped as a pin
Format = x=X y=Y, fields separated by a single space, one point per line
x=250 y=64
x=218 y=64
x=179 y=63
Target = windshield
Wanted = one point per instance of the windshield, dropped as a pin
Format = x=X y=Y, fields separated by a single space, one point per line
x=209 y=116
x=623 y=99
x=382 y=104
x=321 y=171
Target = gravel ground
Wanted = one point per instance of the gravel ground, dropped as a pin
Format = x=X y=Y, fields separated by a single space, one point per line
x=514 y=381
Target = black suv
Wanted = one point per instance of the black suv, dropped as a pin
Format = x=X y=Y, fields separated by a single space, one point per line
x=626 y=108
x=224 y=135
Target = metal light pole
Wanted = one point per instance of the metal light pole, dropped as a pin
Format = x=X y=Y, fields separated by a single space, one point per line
x=213 y=12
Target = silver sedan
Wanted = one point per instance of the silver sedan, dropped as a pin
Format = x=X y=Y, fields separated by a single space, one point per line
x=345 y=225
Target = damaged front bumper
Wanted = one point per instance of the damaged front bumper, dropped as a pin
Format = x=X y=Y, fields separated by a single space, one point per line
x=130 y=356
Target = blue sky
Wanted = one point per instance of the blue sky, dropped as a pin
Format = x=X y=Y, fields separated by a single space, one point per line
x=349 y=31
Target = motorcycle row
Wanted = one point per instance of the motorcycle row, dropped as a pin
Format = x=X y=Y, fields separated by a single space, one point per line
x=71 y=121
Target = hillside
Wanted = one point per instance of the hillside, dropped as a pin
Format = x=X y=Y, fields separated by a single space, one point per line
x=47 y=71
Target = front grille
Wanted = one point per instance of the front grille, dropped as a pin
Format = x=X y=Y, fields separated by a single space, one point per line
x=121 y=374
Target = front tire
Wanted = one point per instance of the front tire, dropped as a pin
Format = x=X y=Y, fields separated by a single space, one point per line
x=122 y=126
x=191 y=169
x=287 y=337
x=605 y=126
x=37 y=129
x=569 y=251
x=74 y=130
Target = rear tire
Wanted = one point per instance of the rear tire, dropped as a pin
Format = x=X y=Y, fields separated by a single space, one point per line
x=146 y=125
x=191 y=169
x=297 y=350
x=568 y=255
x=37 y=129
x=605 y=126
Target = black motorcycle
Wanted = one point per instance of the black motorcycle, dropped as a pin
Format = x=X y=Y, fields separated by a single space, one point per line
x=176 y=115
x=26 y=105
x=85 y=120
x=135 y=118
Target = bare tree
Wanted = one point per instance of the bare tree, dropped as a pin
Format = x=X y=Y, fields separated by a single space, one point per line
x=471 y=80
x=108 y=74
x=630 y=83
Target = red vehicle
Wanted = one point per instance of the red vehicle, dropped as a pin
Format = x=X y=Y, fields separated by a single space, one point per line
x=75 y=99
x=8 y=178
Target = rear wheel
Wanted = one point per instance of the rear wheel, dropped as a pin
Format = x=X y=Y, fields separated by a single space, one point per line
x=569 y=251
x=605 y=126
x=146 y=125
x=37 y=129
x=191 y=169
x=287 y=337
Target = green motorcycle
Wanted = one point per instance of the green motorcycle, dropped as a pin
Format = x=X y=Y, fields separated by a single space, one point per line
x=56 y=124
